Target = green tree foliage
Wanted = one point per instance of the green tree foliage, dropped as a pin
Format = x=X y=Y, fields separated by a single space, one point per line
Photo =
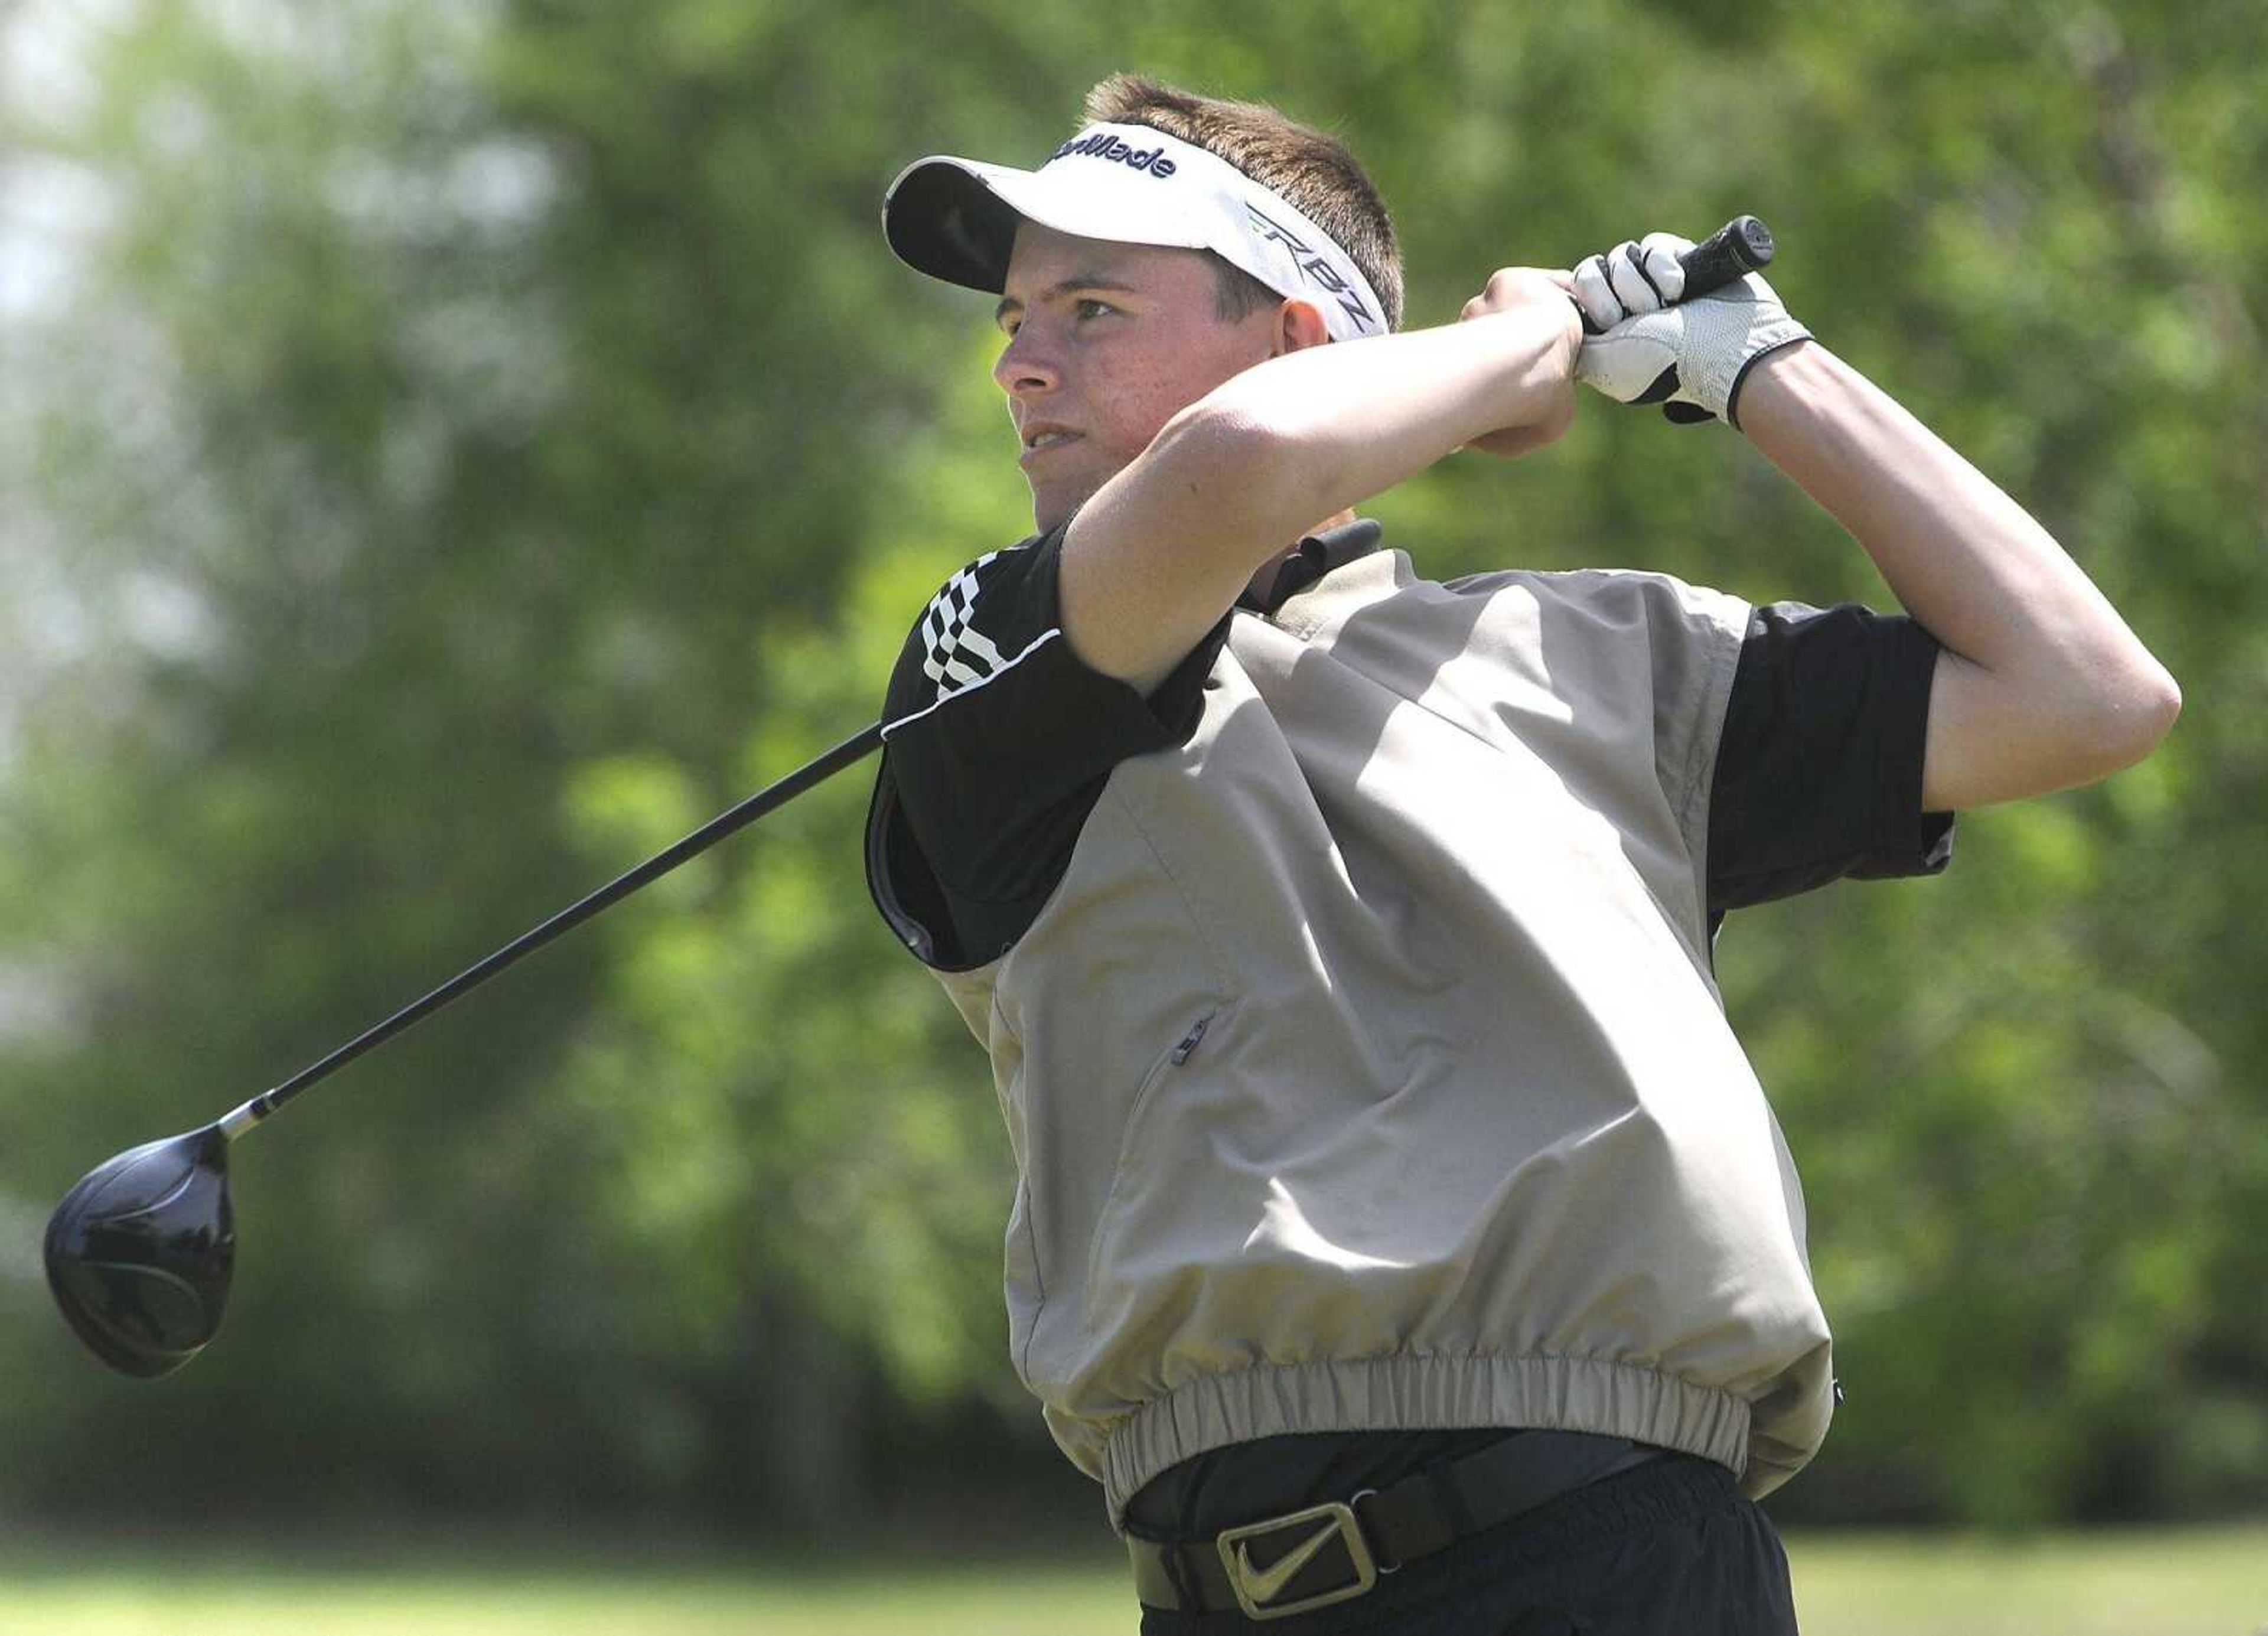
x=478 y=444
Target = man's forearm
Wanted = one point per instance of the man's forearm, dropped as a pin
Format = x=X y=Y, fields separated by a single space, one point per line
x=1345 y=422
x=2049 y=686
x=1164 y=546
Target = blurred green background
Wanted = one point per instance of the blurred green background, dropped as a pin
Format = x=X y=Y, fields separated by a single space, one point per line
x=447 y=451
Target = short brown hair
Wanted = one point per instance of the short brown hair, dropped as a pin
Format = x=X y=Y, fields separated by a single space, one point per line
x=1312 y=170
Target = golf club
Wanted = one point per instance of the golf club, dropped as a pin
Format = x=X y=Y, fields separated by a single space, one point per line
x=140 y=1251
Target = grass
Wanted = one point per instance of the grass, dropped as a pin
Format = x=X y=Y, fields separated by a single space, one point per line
x=2187 y=1582
x=2193 y=1582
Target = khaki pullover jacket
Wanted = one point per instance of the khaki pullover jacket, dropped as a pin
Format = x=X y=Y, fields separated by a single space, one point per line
x=1365 y=1070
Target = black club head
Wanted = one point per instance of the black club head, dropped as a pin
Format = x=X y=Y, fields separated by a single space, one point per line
x=139 y=1253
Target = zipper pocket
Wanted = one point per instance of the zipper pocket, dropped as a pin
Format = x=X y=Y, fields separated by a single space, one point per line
x=1152 y=1083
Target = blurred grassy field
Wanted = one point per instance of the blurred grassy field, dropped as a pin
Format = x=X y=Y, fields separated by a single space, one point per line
x=2199 y=1582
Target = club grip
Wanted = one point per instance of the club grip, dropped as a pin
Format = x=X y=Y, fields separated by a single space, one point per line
x=1740 y=247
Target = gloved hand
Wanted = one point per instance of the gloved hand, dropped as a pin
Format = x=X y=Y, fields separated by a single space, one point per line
x=1644 y=346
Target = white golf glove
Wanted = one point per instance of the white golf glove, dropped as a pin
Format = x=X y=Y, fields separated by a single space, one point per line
x=1645 y=346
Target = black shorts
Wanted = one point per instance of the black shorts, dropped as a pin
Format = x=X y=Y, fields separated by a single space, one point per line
x=1668 y=1548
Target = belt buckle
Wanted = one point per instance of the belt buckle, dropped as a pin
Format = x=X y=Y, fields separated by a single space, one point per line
x=1257 y=1587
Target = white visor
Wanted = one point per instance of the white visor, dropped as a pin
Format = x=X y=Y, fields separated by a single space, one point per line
x=955 y=219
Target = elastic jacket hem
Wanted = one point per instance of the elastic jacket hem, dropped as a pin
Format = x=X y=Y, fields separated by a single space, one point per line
x=1409 y=1392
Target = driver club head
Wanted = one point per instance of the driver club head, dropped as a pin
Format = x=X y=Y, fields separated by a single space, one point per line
x=139 y=1253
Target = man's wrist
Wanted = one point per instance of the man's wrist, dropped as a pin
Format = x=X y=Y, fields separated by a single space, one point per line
x=1530 y=400
x=1776 y=382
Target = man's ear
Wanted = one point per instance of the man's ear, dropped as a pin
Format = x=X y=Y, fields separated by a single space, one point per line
x=1299 y=325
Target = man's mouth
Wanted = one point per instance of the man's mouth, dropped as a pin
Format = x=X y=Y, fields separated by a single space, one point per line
x=1039 y=439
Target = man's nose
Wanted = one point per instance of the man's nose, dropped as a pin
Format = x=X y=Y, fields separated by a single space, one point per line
x=1027 y=364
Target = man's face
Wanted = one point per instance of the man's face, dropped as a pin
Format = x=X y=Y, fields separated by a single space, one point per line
x=1106 y=343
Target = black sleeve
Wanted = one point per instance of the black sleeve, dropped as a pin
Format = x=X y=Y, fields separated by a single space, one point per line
x=1819 y=770
x=997 y=739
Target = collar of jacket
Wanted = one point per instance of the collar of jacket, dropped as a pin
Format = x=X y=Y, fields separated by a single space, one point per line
x=1318 y=554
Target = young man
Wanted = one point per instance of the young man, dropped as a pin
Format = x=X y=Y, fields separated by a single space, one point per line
x=1402 y=1238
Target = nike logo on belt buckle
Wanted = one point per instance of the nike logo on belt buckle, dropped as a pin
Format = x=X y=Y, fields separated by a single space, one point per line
x=1257 y=1589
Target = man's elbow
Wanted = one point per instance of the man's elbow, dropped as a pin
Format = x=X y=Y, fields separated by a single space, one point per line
x=1221 y=463
x=2135 y=710
x=1990 y=741
x=1276 y=459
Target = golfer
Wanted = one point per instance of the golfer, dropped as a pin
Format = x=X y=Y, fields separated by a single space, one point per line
x=1400 y=1237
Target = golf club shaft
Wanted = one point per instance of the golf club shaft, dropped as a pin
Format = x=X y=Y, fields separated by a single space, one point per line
x=778 y=794
x=1740 y=245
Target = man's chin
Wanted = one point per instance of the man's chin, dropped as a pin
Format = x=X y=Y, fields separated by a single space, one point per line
x=1057 y=503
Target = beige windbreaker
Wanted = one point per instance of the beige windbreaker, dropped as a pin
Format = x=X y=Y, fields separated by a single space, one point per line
x=1365 y=1070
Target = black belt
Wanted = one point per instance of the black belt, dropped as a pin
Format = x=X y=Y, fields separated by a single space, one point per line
x=1313 y=1557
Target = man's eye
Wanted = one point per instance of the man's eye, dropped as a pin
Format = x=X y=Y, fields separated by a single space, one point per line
x=1089 y=307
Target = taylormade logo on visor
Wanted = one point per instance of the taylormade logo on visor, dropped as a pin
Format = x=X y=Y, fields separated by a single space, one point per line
x=1102 y=145
x=1246 y=222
